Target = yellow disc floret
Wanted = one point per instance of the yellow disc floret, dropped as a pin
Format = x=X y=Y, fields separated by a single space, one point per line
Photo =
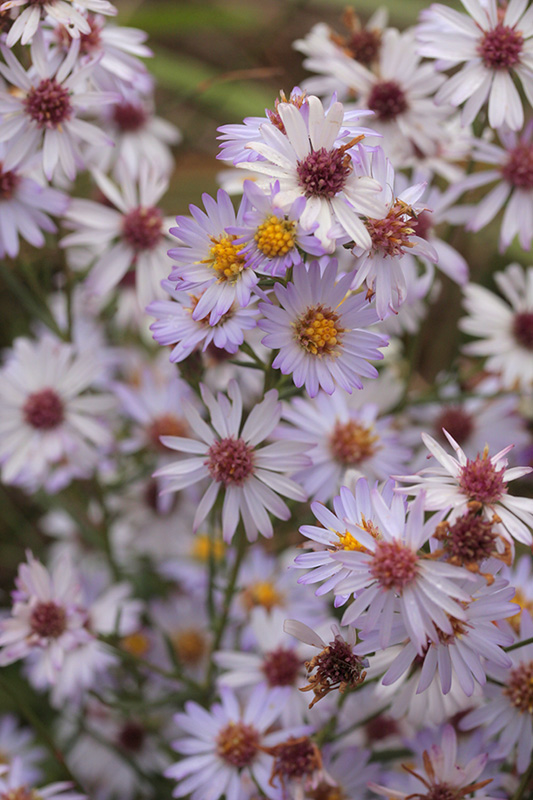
x=226 y=258
x=275 y=237
x=348 y=542
x=318 y=331
x=205 y=548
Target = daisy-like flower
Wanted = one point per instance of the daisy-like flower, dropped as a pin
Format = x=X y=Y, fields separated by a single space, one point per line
x=388 y=572
x=318 y=331
x=442 y=776
x=230 y=457
x=342 y=435
x=508 y=710
x=511 y=165
x=493 y=44
x=14 y=784
x=308 y=161
x=24 y=208
x=41 y=112
x=209 y=261
x=47 y=618
x=28 y=19
x=225 y=747
x=52 y=427
x=175 y=324
x=131 y=234
x=479 y=484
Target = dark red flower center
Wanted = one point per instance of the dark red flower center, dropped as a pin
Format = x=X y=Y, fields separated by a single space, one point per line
x=519 y=688
x=351 y=442
x=364 y=45
x=523 y=329
x=131 y=737
x=281 y=667
x=43 y=410
x=500 y=48
x=8 y=183
x=142 y=227
x=393 y=565
x=48 y=620
x=323 y=172
x=238 y=744
x=129 y=117
x=518 y=169
x=481 y=482
x=230 y=461
x=48 y=104
x=387 y=100
x=457 y=422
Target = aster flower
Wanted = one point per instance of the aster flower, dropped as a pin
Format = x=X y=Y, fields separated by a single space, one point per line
x=28 y=20
x=175 y=324
x=228 y=454
x=24 y=208
x=307 y=162
x=14 y=783
x=41 y=114
x=318 y=331
x=442 y=774
x=480 y=484
x=504 y=327
x=18 y=742
x=52 y=429
x=208 y=260
x=129 y=234
x=342 y=435
x=225 y=746
x=47 y=618
x=493 y=44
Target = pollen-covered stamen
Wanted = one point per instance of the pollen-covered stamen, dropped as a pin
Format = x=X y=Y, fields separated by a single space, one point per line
x=348 y=542
x=519 y=688
x=142 y=228
x=481 y=482
x=318 y=331
x=9 y=181
x=43 y=410
x=230 y=461
x=262 y=593
x=295 y=99
x=518 y=169
x=457 y=422
x=48 y=620
x=165 y=425
x=500 y=47
x=337 y=667
x=129 y=117
x=387 y=100
x=190 y=646
x=323 y=172
x=226 y=258
x=394 y=565
x=361 y=44
x=131 y=737
x=392 y=234
x=351 y=442
x=296 y=759
x=523 y=329
x=238 y=744
x=48 y=104
x=275 y=237
x=281 y=667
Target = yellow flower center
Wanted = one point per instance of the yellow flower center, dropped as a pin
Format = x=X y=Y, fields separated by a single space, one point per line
x=190 y=646
x=524 y=604
x=262 y=593
x=204 y=548
x=350 y=442
x=275 y=237
x=226 y=258
x=136 y=643
x=317 y=331
x=348 y=542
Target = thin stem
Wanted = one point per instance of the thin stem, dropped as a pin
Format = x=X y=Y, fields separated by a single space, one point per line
x=175 y=675
x=516 y=645
x=524 y=783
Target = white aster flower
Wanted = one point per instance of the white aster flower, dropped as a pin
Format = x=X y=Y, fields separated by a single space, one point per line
x=66 y=14
x=14 y=784
x=229 y=455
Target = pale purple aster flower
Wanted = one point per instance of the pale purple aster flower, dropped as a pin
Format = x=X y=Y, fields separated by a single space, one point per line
x=389 y=572
x=511 y=166
x=42 y=112
x=342 y=435
x=24 y=208
x=175 y=324
x=208 y=259
x=54 y=427
x=47 y=619
x=308 y=162
x=442 y=776
x=230 y=457
x=131 y=234
x=18 y=742
x=29 y=20
x=504 y=326
x=459 y=482
x=520 y=575
x=348 y=770
x=273 y=238
x=14 y=784
x=507 y=712
x=493 y=44
x=319 y=331
x=224 y=746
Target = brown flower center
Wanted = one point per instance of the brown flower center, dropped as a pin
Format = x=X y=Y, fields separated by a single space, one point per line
x=238 y=744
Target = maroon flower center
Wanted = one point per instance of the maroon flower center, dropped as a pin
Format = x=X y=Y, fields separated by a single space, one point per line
x=131 y=737
x=89 y=42
x=387 y=100
x=351 y=443
x=129 y=117
x=519 y=687
x=364 y=45
x=481 y=482
x=238 y=744
x=442 y=791
x=457 y=422
x=393 y=565
x=230 y=461
x=380 y=728
x=518 y=169
x=295 y=759
x=523 y=329
x=500 y=47
x=8 y=183
x=48 y=104
x=141 y=228
x=470 y=539
x=281 y=667
x=165 y=425
x=48 y=620
x=323 y=173
x=391 y=235
x=43 y=410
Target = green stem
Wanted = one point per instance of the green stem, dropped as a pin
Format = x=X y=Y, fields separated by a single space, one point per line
x=516 y=645
x=524 y=784
x=176 y=675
